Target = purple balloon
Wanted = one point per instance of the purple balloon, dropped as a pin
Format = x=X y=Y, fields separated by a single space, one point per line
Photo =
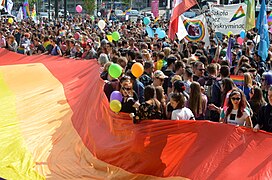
x=116 y=95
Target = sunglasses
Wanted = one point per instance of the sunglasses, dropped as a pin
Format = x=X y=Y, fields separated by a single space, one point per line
x=201 y=69
x=127 y=89
x=237 y=99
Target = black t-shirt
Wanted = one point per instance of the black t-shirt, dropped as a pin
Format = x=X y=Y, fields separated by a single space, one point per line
x=40 y=48
x=265 y=118
x=167 y=81
x=195 y=78
x=127 y=106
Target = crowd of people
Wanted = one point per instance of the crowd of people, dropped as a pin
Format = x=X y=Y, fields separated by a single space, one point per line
x=181 y=80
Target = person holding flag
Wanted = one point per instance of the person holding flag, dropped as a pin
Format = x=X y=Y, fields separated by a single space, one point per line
x=262 y=27
x=180 y=6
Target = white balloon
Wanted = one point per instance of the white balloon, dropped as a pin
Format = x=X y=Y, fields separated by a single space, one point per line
x=101 y=24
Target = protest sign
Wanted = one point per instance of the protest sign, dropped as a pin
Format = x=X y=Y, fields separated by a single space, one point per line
x=226 y=18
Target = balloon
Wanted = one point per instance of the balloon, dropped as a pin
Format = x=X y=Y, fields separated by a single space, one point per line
x=229 y=33
x=158 y=30
x=116 y=95
x=243 y=34
x=78 y=9
x=115 y=70
x=101 y=24
x=137 y=69
x=240 y=40
x=109 y=37
x=115 y=36
x=77 y=35
x=115 y=106
x=149 y=31
x=10 y=21
x=161 y=34
x=147 y=20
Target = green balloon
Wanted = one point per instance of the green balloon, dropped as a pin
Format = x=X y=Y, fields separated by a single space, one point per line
x=115 y=36
x=115 y=70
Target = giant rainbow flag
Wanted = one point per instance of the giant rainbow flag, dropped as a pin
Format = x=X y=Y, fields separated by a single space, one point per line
x=55 y=123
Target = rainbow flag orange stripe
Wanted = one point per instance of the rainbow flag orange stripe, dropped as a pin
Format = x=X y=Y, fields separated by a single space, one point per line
x=55 y=123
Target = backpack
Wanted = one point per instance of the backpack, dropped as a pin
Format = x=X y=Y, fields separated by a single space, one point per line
x=208 y=87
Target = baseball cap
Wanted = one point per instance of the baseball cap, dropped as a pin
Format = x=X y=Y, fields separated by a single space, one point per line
x=159 y=74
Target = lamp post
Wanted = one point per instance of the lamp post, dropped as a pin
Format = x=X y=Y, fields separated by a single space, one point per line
x=168 y=9
x=65 y=9
x=49 y=9
x=56 y=9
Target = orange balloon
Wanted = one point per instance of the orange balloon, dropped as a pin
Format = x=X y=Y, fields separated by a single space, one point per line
x=137 y=69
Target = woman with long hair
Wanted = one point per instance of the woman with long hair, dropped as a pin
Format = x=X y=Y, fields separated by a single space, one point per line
x=151 y=108
x=161 y=98
x=179 y=87
x=236 y=112
x=197 y=101
x=180 y=112
x=256 y=102
x=247 y=84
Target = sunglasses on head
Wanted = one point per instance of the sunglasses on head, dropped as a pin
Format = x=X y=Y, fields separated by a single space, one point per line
x=237 y=99
x=127 y=89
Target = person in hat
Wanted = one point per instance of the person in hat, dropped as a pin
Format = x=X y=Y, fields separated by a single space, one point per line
x=158 y=78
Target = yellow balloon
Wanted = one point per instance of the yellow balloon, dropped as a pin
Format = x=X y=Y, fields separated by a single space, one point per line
x=109 y=37
x=10 y=21
x=229 y=33
x=115 y=106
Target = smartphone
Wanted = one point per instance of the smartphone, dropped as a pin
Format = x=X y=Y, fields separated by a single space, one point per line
x=232 y=117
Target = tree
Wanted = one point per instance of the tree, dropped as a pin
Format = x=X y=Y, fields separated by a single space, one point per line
x=127 y=2
x=89 y=6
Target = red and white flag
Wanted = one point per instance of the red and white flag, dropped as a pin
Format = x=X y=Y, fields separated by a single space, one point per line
x=180 y=6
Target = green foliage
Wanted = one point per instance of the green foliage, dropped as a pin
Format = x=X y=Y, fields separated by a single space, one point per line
x=89 y=6
x=31 y=3
x=126 y=1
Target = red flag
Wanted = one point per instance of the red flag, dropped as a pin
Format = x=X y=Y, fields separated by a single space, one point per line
x=180 y=6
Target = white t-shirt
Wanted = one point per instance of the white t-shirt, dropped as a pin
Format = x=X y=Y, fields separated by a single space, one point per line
x=182 y=114
x=233 y=119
